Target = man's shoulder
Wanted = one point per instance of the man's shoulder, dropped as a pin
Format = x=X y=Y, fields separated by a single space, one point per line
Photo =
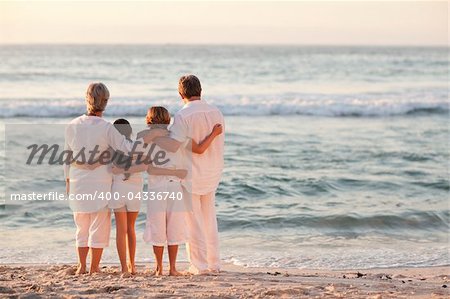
x=210 y=106
x=202 y=107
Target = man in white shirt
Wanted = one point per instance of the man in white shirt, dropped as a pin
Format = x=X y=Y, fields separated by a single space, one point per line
x=195 y=121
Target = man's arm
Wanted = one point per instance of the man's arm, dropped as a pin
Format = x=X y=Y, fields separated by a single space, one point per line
x=178 y=135
x=200 y=148
x=152 y=170
x=154 y=133
x=132 y=169
x=167 y=143
x=118 y=142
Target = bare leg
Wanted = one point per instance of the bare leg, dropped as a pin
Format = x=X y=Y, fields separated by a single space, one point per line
x=173 y=251
x=158 y=251
x=121 y=238
x=131 y=235
x=96 y=256
x=82 y=256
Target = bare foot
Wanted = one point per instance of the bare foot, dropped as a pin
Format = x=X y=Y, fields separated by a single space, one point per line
x=81 y=269
x=176 y=273
x=132 y=269
x=94 y=271
x=124 y=270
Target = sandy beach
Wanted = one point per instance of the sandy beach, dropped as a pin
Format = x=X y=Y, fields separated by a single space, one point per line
x=59 y=281
x=301 y=147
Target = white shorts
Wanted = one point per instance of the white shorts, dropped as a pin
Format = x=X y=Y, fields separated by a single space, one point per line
x=126 y=194
x=166 y=218
x=93 y=229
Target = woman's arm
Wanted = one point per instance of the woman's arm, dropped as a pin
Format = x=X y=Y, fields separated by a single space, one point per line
x=118 y=142
x=152 y=170
x=132 y=169
x=200 y=148
x=86 y=166
x=67 y=164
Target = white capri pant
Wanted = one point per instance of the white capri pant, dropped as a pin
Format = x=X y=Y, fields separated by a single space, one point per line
x=166 y=218
x=93 y=229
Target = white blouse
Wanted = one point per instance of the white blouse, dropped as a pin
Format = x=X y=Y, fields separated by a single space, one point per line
x=85 y=134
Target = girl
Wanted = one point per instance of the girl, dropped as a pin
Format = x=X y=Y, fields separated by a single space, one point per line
x=125 y=201
x=165 y=218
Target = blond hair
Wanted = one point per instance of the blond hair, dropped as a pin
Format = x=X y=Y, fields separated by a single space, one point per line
x=189 y=86
x=157 y=115
x=97 y=96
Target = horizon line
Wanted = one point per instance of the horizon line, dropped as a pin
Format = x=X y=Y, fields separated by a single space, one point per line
x=221 y=44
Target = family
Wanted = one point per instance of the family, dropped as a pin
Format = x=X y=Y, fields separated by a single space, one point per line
x=192 y=146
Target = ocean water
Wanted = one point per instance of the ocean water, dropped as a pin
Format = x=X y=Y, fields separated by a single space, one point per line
x=336 y=157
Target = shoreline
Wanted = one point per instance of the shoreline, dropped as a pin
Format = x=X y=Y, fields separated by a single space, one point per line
x=234 y=282
x=227 y=265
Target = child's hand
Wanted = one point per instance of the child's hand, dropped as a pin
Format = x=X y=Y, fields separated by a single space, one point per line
x=217 y=130
x=116 y=170
x=181 y=173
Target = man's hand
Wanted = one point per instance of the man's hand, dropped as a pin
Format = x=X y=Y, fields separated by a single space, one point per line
x=155 y=133
x=217 y=130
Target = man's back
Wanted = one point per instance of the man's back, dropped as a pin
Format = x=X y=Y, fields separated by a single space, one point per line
x=196 y=121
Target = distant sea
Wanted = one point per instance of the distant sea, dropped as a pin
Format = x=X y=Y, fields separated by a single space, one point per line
x=336 y=157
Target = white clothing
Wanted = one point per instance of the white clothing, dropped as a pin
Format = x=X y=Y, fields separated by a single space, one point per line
x=85 y=134
x=126 y=193
x=93 y=229
x=195 y=121
x=203 y=238
x=166 y=219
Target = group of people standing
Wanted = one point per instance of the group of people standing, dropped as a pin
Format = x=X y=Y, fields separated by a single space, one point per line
x=181 y=191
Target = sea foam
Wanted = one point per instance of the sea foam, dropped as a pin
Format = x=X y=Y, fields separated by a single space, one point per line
x=339 y=107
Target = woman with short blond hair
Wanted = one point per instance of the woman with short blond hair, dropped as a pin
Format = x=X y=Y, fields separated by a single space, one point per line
x=97 y=96
x=91 y=133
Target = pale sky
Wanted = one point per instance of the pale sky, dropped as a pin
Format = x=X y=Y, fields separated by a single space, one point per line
x=212 y=22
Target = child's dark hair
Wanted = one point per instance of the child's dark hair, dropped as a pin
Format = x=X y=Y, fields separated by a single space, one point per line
x=123 y=126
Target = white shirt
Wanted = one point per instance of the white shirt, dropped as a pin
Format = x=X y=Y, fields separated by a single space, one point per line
x=134 y=178
x=87 y=132
x=195 y=121
x=174 y=162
